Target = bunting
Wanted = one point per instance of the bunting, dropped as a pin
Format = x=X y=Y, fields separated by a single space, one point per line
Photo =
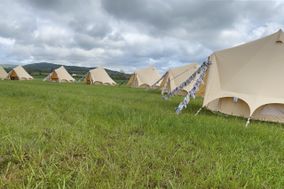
x=193 y=91
x=199 y=74
x=201 y=69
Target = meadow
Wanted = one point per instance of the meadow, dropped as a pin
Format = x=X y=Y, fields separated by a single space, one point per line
x=78 y=136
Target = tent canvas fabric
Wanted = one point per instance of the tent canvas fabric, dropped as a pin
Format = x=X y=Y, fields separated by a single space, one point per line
x=175 y=76
x=144 y=78
x=98 y=76
x=19 y=73
x=3 y=73
x=246 y=80
x=59 y=75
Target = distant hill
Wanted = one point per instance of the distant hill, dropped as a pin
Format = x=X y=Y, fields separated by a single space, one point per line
x=43 y=68
x=8 y=66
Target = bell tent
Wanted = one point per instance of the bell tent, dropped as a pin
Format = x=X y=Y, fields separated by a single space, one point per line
x=19 y=73
x=175 y=76
x=246 y=80
x=144 y=78
x=3 y=73
x=59 y=75
x=98 y=76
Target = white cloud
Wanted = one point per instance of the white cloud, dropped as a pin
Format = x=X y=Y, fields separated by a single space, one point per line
x=6 y=42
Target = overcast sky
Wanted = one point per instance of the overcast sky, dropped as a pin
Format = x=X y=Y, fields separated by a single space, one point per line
x=129 y=34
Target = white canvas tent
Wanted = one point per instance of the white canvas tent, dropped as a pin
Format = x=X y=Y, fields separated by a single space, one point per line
x=98 y=76
x=175 y=76
x=3 y=73
x=59 y=75
x=144 y=78
x=19 y=73
x=247 y=80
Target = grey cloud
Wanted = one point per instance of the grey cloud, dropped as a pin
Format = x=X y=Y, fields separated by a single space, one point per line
x=171 y=14
x=85 y=41
x=62 y=6
x=127 y=34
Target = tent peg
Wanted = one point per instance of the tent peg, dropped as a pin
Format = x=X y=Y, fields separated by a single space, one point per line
x=198 y=111
x=248 y=122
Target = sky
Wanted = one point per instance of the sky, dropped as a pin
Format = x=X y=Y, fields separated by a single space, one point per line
x=125 y=35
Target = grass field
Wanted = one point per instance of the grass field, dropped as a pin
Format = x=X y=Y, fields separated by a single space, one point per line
x=78 y=136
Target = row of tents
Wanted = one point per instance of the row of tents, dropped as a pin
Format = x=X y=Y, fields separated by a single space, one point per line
x=94 y=76
x=144 y=78
x=17 y=73
x=242 y=81
x=150 y=78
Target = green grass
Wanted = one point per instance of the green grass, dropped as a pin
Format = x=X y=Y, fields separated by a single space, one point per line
x=78 y=136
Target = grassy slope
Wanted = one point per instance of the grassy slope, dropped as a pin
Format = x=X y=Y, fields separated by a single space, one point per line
x=73 y=135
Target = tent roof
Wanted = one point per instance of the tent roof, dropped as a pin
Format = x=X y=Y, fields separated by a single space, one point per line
x=100 y=75
x=3 y=73
x=252 y=72
x=62 y=74
x=147 y=76
x=175 y=76
x=21 y=73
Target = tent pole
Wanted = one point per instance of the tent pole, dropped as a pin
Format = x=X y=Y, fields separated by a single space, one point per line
x=198 y=111
x=248 y=121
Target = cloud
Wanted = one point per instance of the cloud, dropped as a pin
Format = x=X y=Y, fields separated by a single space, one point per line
x=130 y=34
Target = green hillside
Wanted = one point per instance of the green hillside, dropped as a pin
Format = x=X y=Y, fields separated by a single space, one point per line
x=80 y=136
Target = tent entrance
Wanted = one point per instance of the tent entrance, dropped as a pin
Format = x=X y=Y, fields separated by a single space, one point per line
x=54 y=76
x=270 y=112
x=89 y=82
x=89 y=79
x=14 y=76
x=230 y=106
